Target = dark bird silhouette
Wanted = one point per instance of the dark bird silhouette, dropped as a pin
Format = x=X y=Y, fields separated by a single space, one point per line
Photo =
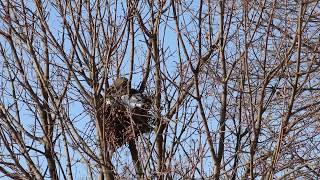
x=120 y=87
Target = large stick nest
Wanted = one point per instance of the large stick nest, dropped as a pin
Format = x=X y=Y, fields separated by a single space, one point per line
x=125 y=116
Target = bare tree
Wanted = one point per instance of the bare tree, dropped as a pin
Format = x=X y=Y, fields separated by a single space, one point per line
x=231 y=89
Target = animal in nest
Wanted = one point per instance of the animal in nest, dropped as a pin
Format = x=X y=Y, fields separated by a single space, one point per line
x=126 y=115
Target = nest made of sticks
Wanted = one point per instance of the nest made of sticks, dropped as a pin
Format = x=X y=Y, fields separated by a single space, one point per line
x=123 y=123
x=125 y=115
